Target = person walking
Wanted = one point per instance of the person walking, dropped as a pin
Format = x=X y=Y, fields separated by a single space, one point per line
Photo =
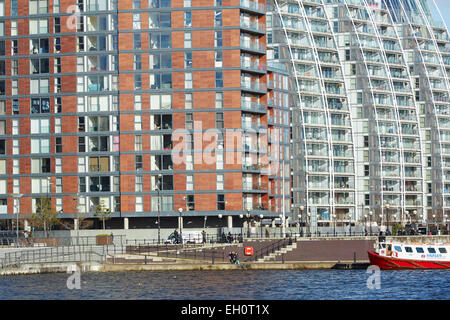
x=236 y=259
x=204 y=237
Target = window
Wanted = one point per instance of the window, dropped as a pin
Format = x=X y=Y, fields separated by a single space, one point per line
x=188 y=60
x=98 y=164
x=40 y=105
x=218 y=59
x=188 y=100
x=220 y=202
x=159 y=20
x=15 y=147
x=160 y=41
x=159 y=4
x=2 y=146
x=15 y=106
x=187 y=39
x=442 y=250
x=40 y=165
x=219 y=100
x=38 y=66
x=138 y=162
x=398 y=248
x=219 y=79
x=189 y=121
x=188 y=80
x=218 y=39
x=2 y=87
x=137 y=82
x=38 y=7
x=219 y=120
x=218 y=18
x=190 y=202
x=419 y=250
x=189 y=182
x=38 y=26
x=40 y=145
x=81 y=144
x=137 y=62
x=138 y=143
x=40 y=126
x=14 y=8
x=408 y=249
x=58 y=144
x=160 y=61
x=136 y=4
x=161 y=81
x=220 y=181
x=431 y=250
x=38 y=86
x=188 y=19
x=137 y=41
x=139 y=183
x=136 y=21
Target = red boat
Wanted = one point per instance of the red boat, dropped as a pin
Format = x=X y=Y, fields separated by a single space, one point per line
x=391 y=256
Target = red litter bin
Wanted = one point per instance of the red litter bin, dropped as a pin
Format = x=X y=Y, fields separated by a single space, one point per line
x=248 y=251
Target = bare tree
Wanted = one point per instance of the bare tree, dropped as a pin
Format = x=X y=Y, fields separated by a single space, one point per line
x=45 y=216
x=102 y=212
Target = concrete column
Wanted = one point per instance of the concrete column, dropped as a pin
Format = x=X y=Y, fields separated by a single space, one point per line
x=230 y=222
x=125 y=223
x=76 y=224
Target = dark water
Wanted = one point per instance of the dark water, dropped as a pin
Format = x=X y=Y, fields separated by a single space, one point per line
x=230 y=285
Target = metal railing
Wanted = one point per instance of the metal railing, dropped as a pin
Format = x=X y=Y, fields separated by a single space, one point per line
x=61 y=241
x=58 y=254
x=271 y=248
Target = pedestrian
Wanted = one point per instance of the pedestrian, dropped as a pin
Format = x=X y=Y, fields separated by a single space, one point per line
x=223 y=238
x=236 y=259
x=231 y=256
x=229 y=238
x=240 y=239
x=176 y=236
x=204 y=236
x=25 y=234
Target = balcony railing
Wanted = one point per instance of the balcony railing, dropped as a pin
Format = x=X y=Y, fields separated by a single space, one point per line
x=253 y=5
x=253 y=106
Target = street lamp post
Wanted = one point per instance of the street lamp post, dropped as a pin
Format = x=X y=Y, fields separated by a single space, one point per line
x=370 y=221
x=16 y=197
x=158 y=187
x=220 y=225
x=365 y=224
x=350 y=223
x=248 y=222
x=387 y=216
x=434 y=221
x=261 y=216
x=308 y=215
x=180 y=222
x=300 y=223
x=334 y=224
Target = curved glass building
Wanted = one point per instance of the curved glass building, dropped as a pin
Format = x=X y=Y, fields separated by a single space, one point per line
x=371 y=124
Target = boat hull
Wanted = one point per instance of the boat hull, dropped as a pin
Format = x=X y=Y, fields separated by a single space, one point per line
x=391 y=263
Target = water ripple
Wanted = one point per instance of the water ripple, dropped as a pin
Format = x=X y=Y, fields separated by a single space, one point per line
x=231 y=285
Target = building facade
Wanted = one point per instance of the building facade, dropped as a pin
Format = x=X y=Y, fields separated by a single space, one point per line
x=149 y=108
x=369 y=125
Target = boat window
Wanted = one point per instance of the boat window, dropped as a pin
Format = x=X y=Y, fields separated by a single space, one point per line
x=408 y=249
x=442 y=250
x=419 y=250
x=398 y=248
x=431 y=250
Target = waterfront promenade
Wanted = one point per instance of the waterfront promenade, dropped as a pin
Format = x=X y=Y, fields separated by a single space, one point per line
x=272 y=253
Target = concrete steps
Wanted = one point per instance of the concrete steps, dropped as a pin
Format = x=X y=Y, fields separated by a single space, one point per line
x=272 y=256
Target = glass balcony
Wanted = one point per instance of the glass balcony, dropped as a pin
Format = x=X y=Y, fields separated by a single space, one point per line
x=252 y=45
x=253 y=5
x=253 y=106
x=253 y=25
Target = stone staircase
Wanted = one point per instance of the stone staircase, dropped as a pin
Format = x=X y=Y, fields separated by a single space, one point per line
x=272 y=256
